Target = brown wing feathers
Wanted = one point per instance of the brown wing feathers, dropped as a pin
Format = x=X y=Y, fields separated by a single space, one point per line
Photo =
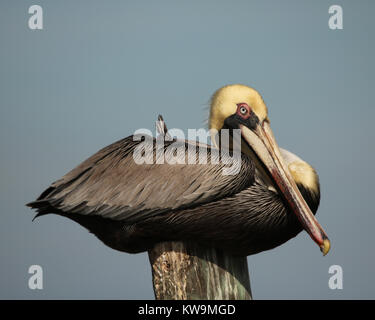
x=111 y=185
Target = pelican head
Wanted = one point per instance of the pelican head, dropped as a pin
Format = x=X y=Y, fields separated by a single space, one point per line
x=241 y=107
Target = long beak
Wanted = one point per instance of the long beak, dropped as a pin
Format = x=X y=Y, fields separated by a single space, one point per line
x=263 y=143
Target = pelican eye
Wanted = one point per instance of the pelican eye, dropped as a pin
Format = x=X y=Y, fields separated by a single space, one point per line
x=243 y=110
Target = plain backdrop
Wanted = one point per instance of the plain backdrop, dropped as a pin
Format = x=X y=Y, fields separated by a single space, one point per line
x=99 y=70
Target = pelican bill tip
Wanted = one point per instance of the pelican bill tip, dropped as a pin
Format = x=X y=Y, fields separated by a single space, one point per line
x=325 y=247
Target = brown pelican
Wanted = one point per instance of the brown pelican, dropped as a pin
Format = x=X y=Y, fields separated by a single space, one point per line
x=130 y=207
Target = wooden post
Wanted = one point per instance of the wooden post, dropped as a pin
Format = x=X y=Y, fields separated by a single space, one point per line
x=182 y=271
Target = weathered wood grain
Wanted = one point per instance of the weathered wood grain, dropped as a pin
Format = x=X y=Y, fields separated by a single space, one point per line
x=182 y=271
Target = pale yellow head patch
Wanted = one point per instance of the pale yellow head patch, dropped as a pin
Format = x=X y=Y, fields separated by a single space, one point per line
x=224 y=104
x=304 y=174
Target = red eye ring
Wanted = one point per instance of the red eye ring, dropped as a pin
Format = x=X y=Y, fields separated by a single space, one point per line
x=243 y=110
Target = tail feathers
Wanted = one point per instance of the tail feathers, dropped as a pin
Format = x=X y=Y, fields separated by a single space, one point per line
x=42 y=207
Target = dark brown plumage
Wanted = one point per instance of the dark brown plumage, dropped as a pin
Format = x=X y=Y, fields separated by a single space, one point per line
x=130 y=207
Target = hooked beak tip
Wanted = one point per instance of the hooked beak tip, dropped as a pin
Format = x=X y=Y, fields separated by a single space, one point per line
x=324 y=248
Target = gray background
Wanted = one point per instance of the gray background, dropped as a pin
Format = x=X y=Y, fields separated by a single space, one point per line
x=101 y=69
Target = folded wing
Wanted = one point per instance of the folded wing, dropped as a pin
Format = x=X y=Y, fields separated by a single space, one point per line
x=112 y=185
